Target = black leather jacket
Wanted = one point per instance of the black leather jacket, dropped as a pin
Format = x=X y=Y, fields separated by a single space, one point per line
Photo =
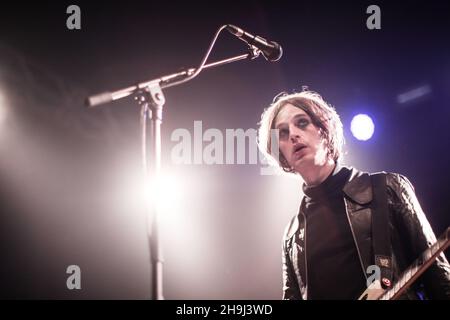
x=410 y=233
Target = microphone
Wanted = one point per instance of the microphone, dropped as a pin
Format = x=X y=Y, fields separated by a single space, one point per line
x=270 y=49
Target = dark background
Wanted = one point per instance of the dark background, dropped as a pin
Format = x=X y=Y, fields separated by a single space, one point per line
x=70 y=176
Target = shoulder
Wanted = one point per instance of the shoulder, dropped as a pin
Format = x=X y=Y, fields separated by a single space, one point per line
x=401 y=193
x=398 y=182
x=359 y=185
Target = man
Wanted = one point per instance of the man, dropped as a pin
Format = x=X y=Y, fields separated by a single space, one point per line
x=328 y=246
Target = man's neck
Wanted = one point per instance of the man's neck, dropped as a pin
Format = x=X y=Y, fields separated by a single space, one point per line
x=315 y=175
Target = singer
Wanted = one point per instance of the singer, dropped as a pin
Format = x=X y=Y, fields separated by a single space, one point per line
x=349 y=221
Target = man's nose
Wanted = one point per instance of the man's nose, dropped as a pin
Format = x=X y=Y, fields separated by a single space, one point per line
x=294 y=134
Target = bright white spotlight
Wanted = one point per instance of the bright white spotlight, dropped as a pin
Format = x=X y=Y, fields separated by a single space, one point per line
x=166 y=193
x=362 y=127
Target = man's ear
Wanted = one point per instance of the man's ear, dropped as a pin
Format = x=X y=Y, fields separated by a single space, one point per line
x=324 y=140
x=321 y=133
x=323 y=136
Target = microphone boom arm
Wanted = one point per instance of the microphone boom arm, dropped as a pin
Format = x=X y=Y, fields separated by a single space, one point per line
x=170 y=80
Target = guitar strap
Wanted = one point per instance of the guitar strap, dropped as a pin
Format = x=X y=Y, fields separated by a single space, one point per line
x=380 y=229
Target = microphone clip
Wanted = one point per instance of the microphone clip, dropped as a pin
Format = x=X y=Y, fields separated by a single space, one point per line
x=253 y=52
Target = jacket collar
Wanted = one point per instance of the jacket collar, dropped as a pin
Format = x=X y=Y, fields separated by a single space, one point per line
x=359 y=187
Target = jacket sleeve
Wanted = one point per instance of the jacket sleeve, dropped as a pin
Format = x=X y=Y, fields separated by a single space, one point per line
x=418 y=233
x=291 y=290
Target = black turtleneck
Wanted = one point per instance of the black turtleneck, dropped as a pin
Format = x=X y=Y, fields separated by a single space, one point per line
x=334 y=269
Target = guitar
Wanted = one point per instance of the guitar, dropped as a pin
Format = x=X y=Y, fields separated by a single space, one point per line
x=376 y=292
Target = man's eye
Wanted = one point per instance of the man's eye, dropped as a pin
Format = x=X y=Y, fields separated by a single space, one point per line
x=302 y=123
x=283 y=133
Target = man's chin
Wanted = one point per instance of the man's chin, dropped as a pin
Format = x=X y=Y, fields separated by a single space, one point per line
x=301 y=163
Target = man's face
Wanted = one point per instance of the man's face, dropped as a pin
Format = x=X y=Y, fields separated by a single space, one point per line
x=300 y=141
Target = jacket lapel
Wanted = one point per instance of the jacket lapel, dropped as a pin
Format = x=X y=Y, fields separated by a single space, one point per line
x=358 y=197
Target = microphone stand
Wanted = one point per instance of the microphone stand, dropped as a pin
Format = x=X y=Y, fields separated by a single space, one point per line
x=150 y=97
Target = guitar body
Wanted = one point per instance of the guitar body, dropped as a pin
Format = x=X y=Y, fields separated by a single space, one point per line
x=373 y=292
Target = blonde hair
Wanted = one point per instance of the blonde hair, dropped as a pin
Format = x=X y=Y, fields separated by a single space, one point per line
x=322 y=114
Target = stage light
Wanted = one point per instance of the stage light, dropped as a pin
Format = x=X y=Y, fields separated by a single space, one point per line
x=166 y=193
x=362 y=127
x=414 y=94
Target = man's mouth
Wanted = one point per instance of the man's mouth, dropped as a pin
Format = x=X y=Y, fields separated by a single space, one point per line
x=297 y=148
